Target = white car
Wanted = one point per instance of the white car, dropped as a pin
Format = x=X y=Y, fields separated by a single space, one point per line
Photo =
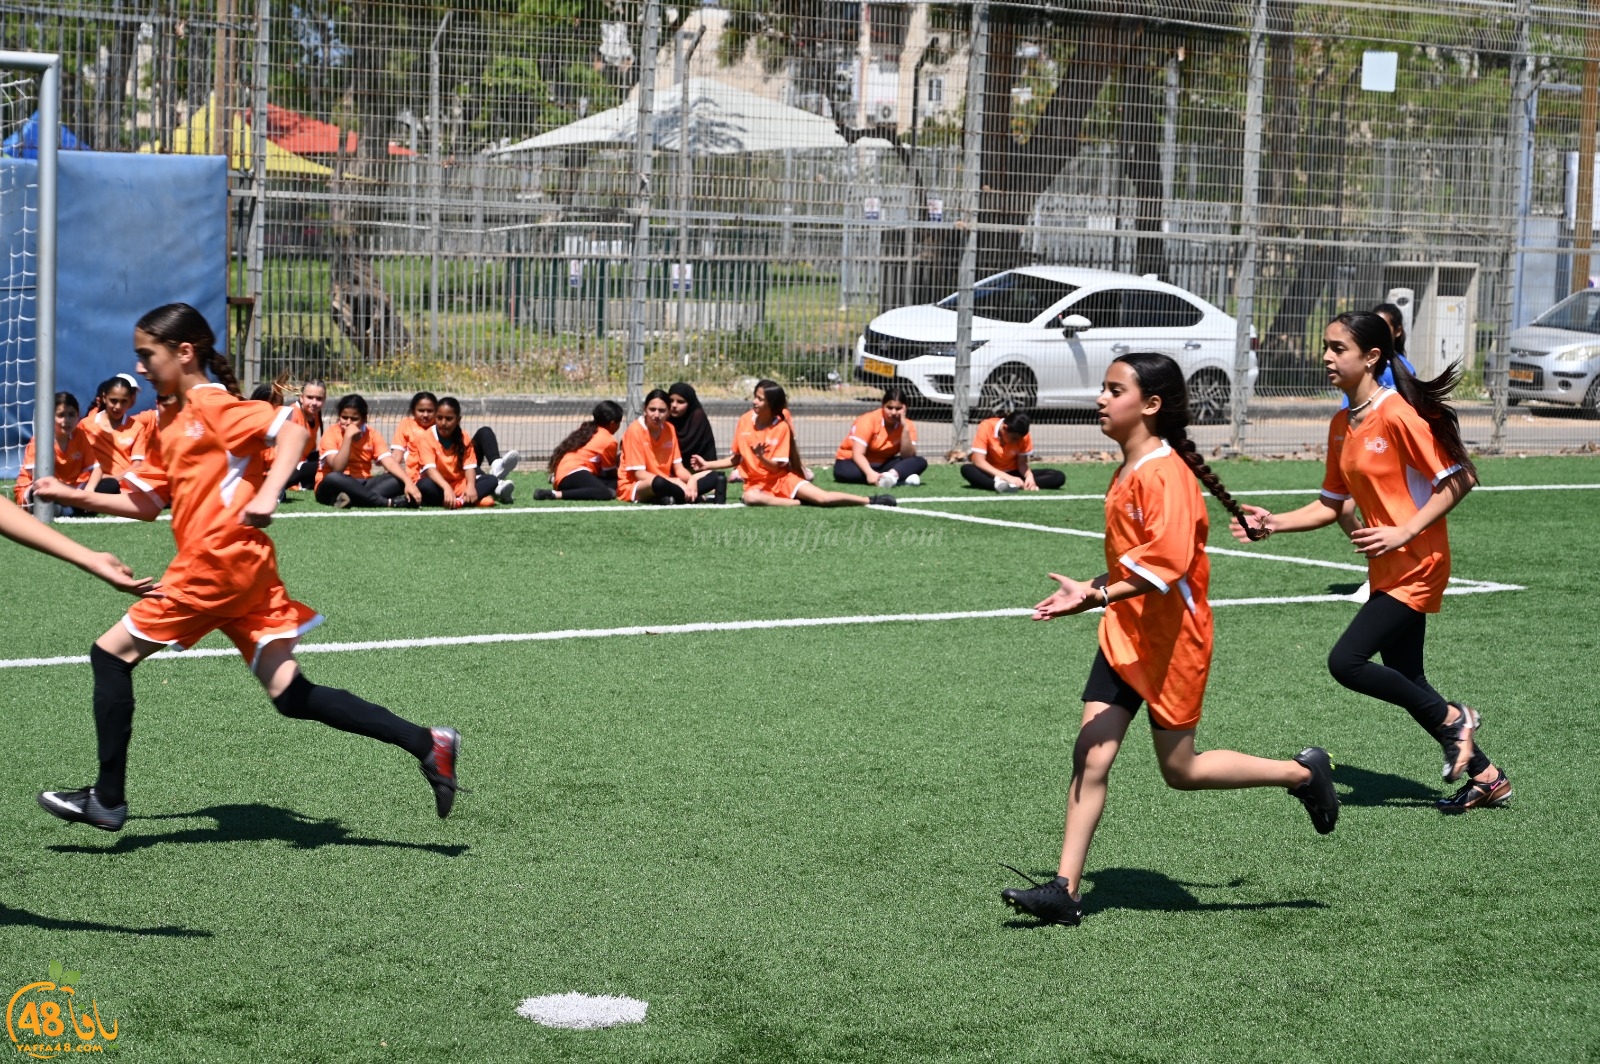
x=1042 y=337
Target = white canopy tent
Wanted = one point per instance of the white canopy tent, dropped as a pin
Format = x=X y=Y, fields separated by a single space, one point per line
x=723 y=120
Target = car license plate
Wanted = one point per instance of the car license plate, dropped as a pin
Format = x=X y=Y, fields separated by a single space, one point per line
x=872 y=365
x=1521 y=375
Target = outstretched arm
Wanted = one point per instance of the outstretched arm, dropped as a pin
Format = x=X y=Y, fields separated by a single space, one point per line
x=138 y=505
x=19 y=527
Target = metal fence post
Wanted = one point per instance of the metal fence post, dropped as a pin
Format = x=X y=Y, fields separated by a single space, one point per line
x=255 y=249
x=971 y=183
x=436 y=168
x=1249 y=226
x=643 y=159
x=1496 y=374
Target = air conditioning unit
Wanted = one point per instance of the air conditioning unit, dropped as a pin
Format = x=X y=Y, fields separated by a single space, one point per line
x=884 y=113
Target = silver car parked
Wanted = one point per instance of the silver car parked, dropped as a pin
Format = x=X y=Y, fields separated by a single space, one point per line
x=1557 y=358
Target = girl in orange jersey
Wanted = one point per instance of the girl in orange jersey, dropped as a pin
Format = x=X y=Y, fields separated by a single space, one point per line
x=584 y=465
x=1002 y=458
x=75 y=464
x=350 y=448
x=881 y=447
x=407 y=443
x=746 y=422
x=206 y=461
x=1398 y=453
x=117 y=438
x=452 y=479
x=307 y=413
x=649 y=467
x=1155 y=635
x=765 y=453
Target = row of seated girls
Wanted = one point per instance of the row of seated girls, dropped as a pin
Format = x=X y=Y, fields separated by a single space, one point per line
x=430 y=462
x=94 y=450
x=669 y=455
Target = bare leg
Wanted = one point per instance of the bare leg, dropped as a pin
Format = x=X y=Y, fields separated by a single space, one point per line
x=812 y=495
x=1099 y=738
x=1186 y=770
x=757 y=497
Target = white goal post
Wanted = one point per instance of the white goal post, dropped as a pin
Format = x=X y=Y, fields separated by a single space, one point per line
x=47 y=67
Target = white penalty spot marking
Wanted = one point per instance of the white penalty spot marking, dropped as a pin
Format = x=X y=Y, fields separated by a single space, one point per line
x=582 y=1012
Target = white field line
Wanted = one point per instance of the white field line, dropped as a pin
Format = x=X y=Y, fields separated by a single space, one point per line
x=560 y=635
x=1229 y=551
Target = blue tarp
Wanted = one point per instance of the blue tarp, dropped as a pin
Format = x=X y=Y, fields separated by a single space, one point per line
x=23 y=143
x=133 y=232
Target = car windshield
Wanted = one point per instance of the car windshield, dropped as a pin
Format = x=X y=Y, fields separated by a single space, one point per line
x=1579 y=312
x=1017 y=298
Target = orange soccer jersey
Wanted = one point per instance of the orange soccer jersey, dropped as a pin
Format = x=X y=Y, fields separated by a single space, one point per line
x=116 y=447
x=778 y=441
x=74 y=463
x=457 y=471
x=1000 y=454
x=364 y=452
x=298 y=415
x=1391 y=465
x=412 y=441
x=1159 y=643
x=879 y=442
x=640 y=458
x=206 y=462
x=596 y=456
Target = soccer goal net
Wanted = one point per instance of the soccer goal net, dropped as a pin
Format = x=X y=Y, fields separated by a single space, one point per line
x=29 y=120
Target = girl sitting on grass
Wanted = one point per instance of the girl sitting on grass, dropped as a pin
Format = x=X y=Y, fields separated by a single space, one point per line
x=584 y=465
x=350 y=448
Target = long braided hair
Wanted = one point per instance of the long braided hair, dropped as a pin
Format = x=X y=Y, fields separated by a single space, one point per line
x=1159 y=375
x=605 y=413
x=179 y=323
x=1428 y=398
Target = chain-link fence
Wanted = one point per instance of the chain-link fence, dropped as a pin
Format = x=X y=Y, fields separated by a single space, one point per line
x=536 y=206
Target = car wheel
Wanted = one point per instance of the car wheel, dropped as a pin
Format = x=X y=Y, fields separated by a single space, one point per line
x=1591 y=399
x=1209 y=397
x=1010 y=389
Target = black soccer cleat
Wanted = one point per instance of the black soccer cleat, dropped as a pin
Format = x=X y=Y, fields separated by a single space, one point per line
x=1051 y=902
x=1318 y=795
x=84 y=807
x=544 y=495
x=439 y=768
x=1456 y=740
x=883 y=500
x=1493 y=794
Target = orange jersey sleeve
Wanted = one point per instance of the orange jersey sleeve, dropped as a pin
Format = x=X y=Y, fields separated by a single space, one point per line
x=1160 y=642
x=596 y=456
x=298 y=416
x=880 y=443
x=765 y=470
x=641 y=458
x=1000 y=454
x=455 y=470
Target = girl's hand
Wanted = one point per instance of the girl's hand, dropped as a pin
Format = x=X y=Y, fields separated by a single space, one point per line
x=1028 y=483
x=1262 y=519
x=114 y=571
x=1380 y=540
x=759 y=449
x=258 y=514
x=352 y=431
x=50 y=490
x=413 y=493
x=872 y=477
x=696 y=463
x=1072 y=597
x=469 y=497
x=689 y=491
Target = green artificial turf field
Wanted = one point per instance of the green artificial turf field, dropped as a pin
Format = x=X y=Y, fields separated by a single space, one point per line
x=787 y=840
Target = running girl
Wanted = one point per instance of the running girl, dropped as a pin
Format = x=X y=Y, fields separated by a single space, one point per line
x=452 y=478
x=1002 y=458
x=881 y=447
x=350 y=448
x=75 y=462
x=118 y=439
x=649 y=467
x=1349 y=520
x=1154 y=648
x=766 y=454
x=584 y=465
x=206 y=461
x=1398 y=453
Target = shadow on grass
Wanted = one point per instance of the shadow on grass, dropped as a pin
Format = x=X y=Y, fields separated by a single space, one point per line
x=1368 y=789
x=258 y=823
x=1343 y=589
x=1143 y=890
x=10 y=917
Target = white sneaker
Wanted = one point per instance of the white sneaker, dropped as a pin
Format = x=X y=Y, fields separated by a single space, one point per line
x=501 y=467
x=888 y=480
x=504 y=490
x=1002 y=485
x=914 y=481
x=1362 y=593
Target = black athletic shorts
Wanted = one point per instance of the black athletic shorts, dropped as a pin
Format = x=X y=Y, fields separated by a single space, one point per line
x=1106 y=686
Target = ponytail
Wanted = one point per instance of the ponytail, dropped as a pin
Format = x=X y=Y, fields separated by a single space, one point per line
x=605 y=413
x=1159 y=375
x=1428 y=398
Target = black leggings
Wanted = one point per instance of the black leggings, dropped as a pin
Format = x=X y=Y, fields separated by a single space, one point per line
x=374 y=491
x=305 y=474
x=583 y=486
x=1048 y=479
x=486 y=446
x=1387 y=626
x=433 y=495
x=845 y=470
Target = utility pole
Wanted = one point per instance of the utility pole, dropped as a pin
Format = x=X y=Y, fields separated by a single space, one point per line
x=971 y=187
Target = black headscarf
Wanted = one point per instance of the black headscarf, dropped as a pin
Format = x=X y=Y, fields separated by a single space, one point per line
x=694 y=428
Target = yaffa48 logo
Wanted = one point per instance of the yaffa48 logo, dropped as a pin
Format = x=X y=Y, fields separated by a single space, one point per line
x=44 y=1019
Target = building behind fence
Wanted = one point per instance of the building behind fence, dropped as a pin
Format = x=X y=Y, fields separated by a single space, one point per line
x=462 y=200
